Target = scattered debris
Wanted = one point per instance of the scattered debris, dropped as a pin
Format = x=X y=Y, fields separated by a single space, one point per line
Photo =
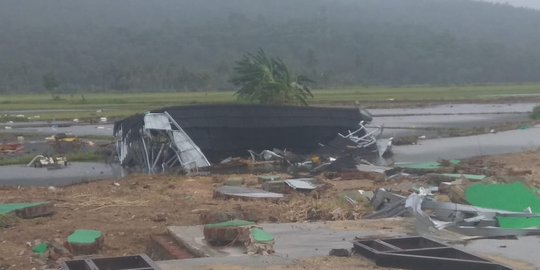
x=420 y=253
x=40 y=161
x=464 y=221
x=10 y=148
x=387 y=204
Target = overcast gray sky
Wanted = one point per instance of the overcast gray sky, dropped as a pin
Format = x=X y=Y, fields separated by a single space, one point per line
x=520 y=3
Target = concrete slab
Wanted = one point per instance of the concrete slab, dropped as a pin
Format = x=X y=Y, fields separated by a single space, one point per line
x=76 y=172
x=292 y=241
x=520 y=249
x=246 y=261
x=303 y=240
x=192 y=238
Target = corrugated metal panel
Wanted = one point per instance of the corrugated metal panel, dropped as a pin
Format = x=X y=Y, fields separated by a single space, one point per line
x=189 y=154
x=301 y=183
x=156 y=121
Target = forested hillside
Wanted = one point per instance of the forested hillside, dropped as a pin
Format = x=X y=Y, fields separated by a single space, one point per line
x=191 y=45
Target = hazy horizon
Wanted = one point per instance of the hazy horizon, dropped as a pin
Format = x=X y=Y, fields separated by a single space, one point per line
x=519 y=3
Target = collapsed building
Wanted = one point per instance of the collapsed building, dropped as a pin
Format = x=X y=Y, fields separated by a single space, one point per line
x=194 y=137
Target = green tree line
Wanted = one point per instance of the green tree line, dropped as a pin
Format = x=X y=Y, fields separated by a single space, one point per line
x=192 y=45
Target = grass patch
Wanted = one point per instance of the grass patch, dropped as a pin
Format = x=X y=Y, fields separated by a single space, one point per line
x=119 y=105
x=72 y=157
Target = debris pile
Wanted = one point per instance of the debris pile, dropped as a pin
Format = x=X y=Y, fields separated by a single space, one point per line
x=445 y=200
x=191 y=138
x=50 y=162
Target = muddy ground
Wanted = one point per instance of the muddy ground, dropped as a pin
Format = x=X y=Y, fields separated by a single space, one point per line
x=144 y=205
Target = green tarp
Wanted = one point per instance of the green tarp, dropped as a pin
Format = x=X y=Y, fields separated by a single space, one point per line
x=11 y=207
x=514 y=197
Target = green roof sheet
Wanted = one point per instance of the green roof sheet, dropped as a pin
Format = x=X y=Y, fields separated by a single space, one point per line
x=514 y=197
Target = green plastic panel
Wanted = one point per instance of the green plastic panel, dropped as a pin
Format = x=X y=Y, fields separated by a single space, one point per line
x=510 y=197
x=84 y=237
x=261 y=236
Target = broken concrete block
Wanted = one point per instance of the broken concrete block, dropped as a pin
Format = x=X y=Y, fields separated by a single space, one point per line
x=217 y=216
x=339 y=252
x=35 y=209
x=85 y=241
x=224 y=233
x=39 y=210
x=234 y=181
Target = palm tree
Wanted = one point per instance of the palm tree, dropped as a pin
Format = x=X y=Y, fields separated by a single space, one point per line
x=267 y=80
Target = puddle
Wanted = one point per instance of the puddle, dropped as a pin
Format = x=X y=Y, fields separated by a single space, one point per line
x=449 y=109
x=76 y=172
x=77 y=130
x=512 y=141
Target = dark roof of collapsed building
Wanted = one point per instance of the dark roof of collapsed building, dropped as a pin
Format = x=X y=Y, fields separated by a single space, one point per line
x=230 y=129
